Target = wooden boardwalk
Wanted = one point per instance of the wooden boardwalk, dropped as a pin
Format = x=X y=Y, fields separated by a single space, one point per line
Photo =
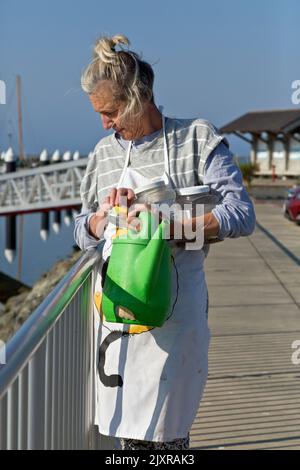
x=252 y=398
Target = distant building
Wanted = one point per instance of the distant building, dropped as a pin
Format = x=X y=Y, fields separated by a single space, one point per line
x=274 y=137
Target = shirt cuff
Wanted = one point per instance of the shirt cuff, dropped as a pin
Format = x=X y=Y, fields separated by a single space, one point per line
x=222 y=224
x=88 y=235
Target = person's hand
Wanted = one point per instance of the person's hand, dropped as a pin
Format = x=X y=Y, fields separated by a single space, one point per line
x=122 y=196
x=133 y=221
x=98 y=221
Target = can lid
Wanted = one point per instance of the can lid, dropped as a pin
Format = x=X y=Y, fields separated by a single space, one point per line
x=153 y=185
x=193 y=190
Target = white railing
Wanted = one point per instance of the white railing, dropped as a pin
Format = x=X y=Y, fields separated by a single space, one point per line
x=46 y=385
x=46 y=187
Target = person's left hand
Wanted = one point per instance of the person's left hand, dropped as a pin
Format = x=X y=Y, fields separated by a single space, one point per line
x=120 y=196
x=132 y=218
x=133 y=221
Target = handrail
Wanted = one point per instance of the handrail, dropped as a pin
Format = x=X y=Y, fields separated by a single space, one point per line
x=44 y=169
x=27 y=339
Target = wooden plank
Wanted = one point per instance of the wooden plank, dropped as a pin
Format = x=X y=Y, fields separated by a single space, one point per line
x=252 y=397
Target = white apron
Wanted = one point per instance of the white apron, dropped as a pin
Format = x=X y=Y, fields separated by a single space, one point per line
x=149 y=381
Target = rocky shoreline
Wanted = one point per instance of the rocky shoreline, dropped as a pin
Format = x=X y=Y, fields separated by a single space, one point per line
x=19 y=307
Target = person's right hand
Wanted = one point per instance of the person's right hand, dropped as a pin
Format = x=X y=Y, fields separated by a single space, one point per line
x=121 y=196
x=98 y=221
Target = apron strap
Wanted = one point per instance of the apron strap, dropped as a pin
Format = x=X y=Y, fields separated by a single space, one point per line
x=166 y=155
x=127 y=160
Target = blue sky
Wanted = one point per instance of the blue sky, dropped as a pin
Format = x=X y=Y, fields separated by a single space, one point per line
x=213 y=59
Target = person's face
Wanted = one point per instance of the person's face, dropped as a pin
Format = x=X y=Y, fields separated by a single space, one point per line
x=110 y=110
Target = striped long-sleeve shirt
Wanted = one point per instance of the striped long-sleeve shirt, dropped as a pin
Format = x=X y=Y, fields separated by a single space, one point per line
x=198 y=155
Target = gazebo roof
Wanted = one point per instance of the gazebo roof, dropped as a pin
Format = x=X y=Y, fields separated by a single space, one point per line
x=255 y=122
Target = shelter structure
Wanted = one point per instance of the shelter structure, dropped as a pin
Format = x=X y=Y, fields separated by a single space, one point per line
x=274 y=137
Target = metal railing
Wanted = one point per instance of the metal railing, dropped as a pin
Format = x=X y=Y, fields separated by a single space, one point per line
x=46 y=385
x=46 y=187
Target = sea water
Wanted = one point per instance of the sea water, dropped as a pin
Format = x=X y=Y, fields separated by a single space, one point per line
x=38 y=256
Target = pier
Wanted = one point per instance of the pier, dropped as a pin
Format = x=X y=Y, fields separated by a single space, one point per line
x=55 y=186
x=251 y=399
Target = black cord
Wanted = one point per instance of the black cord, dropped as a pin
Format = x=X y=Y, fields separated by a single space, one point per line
x=177 y=289
x=175 y=301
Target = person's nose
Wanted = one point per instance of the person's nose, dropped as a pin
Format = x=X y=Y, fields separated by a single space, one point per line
x=107 y=122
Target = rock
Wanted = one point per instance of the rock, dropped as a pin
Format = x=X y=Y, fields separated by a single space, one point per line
x=10 y=287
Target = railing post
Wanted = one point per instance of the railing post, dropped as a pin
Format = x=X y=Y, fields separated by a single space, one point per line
x=12 y=422
x=49 y=366
x=3 y=423
x=36 y=399
x=23 y=409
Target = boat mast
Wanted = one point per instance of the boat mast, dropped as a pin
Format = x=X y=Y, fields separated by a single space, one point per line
x=20 y=133
x=21 y=157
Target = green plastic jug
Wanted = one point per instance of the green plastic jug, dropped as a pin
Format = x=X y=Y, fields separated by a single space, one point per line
x=137 y=286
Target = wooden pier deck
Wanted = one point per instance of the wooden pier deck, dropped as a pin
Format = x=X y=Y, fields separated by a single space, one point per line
x=252 y=398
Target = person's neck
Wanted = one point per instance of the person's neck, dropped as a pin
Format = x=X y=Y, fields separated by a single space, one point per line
x=151 y=121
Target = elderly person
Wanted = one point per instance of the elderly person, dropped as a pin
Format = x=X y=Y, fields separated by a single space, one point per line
x=150 y=380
